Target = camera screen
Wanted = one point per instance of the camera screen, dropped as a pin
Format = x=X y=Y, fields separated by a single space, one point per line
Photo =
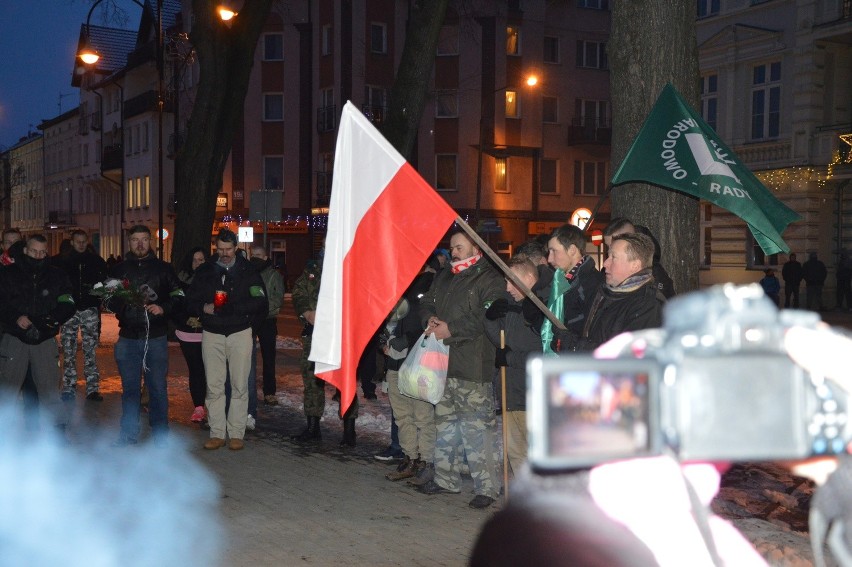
x=597 y=413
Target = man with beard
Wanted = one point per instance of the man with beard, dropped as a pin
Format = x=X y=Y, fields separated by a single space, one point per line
x=454 y=311
x=228 y=295
x=629 y=301
x=84 y=269
x=37 y=300
x=142 y=312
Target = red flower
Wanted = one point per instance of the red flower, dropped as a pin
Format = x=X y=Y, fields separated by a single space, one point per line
x=125 y=283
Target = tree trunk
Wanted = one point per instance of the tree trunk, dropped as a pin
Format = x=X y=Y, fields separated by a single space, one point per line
x=408 y=95
x=225 y=55
x=653 y=43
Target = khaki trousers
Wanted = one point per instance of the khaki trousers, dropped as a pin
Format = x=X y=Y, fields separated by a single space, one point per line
x=223 y=353
x=516 y=422
x=415 y=420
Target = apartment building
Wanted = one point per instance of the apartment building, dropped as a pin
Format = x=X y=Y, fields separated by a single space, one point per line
x=63 y=179
x=777 y=86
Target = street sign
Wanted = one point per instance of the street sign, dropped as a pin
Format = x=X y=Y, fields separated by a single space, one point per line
x=245 y=234
x=597 y=237
x=265 y=206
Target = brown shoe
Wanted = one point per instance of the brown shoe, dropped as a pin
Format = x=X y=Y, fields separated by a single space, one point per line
x=407 y=469
x=235 y=444
x=214 y=443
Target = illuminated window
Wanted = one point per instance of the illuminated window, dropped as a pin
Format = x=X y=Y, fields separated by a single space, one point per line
x=512 y=108
x=130 y=193
x=501 y=175
x=147 y=201
x=513 y=40
x=138 y=192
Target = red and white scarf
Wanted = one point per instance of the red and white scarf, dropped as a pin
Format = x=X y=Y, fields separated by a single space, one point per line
x=462 y=265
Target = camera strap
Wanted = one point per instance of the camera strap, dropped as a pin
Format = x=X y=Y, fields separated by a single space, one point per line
x=699 y=513
x=831 y=515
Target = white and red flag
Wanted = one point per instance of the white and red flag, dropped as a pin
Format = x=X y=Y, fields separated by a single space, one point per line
x=384 y=221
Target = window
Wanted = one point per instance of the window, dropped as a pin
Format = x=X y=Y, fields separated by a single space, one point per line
x=448 y=41
x=591 y=113
x=85 y=154
x=144 y=136
x=273 y=173
x=589 y=177
x=146 y=202
x=378 y=38
x=375 y=103
x=137 y=144
x=273 y=107
x=594 y=4
x=513 y=40
x=131 y=194
x=129 y=144
x=446 y=104
x=273 y=47
x=446 y=177
x=708 y=8
x=327 y=112
x=548 y=177
x=326 y=40
x=549 y=109
x=551 y=49
x=501 y=175
x=138 y=186
x=709 y=100
x=592 y=54
x=757 y=257
x=512 y=106
x=766 y=101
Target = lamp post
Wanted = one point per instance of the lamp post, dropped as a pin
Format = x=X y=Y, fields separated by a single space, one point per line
x=530 y=81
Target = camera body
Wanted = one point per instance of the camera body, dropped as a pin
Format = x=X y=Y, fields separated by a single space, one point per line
x=714 y=384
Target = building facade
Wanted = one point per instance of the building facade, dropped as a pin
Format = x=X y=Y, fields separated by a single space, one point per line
x=777 y=86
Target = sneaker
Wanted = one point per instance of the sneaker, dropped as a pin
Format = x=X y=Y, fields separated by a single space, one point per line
x=270 y=400
x=250 y=424
x=390 y=455
x=94 y=397
x=199 y=414
x=481 y=501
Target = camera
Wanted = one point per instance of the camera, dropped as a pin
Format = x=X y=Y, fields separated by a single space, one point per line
x=713 y=384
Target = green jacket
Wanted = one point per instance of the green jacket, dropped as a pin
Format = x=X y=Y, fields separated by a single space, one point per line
x=274 y=284
x=306 y=289
x=461 y=300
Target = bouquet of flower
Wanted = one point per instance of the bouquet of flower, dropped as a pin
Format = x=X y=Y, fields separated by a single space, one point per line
x=132 y=296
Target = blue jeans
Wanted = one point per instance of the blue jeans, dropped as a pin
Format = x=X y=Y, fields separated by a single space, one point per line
x=128 y=357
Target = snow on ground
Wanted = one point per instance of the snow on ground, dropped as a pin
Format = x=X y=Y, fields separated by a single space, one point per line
x=764 y=501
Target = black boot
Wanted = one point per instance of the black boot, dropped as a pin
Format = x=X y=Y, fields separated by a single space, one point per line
x=311 y=434
x=348 y=433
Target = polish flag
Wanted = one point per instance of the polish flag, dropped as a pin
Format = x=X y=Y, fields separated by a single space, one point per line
x=384 y=221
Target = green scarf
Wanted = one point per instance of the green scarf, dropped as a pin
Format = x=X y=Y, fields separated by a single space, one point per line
x=556 y=303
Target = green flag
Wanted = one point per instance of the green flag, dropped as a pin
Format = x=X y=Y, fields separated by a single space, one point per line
x=676 y=149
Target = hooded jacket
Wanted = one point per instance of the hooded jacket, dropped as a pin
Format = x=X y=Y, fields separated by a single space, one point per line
x=246 y=306
x=133 y=320
x=38 y=290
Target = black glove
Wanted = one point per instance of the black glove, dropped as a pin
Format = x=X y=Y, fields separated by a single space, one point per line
x=532 y=314
x=500 y=360
x=563 y=341
x=497 y=309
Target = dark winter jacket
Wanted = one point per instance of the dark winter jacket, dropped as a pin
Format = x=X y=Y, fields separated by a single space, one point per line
x=461 y=300
x=273 y=283
x=792 y=273
x=247 y=305
x=133 y=320
x=181 y=318
x=579 y=297
x=814 y=272
x=41 y=292
x=521 y=341
x=614 y=312
x=84 y=270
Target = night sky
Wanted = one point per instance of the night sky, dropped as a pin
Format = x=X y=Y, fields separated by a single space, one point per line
x=37 y=49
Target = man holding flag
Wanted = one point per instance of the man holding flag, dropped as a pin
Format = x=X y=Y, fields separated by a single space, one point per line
x=454 y=311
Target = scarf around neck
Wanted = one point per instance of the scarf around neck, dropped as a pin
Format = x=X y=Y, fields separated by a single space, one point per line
x=462 y=265
x=561 y=283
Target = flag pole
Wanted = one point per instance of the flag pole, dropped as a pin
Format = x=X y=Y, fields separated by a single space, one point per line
x=476 y=239
x=505 y=425
x=600 y=202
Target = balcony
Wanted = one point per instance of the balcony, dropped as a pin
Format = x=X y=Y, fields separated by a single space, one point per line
x=584 y=130
x=326 y=119
x=113 y=158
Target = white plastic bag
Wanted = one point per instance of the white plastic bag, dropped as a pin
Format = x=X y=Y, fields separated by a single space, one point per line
x=423 y=375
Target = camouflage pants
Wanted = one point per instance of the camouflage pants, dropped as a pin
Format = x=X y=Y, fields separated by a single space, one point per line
x=314 y=396
x=466 y=428
x=88 y=322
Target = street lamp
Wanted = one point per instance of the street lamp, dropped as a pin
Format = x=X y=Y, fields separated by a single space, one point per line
x=531 y=81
